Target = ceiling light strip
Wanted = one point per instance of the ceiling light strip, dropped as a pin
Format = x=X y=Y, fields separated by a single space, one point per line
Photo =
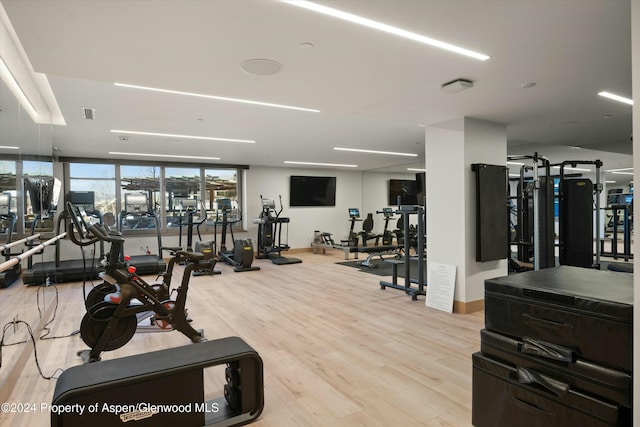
x=619 y=170
x=386 y=28
x=291 y=162
x=14 y=86
x=623 y=173
x=416 y=170
x=171 y=135
x=616 y=97
x=219 y=98
x=9 y=147
x=391 y=153
x=172 y=156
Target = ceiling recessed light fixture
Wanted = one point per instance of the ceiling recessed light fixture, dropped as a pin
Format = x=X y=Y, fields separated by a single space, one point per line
x=173 y=156
x=391 y=153
x=9 y=147
x=219 y=98
x=416 y=170
x=386 y=28
x=623 y=173
x=170 y=135
x=616 y=97
x=291 y=162
x=515 y=163
x=610 y=182
x=619 y=170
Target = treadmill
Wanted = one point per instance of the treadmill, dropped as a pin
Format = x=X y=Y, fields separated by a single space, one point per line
x=137 y=215
x=72 y=270
x=7 y=224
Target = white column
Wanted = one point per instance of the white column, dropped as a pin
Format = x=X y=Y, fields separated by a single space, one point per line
x=635 y=81
x=450 y=149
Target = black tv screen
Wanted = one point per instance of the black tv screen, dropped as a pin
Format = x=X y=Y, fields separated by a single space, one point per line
x=406 y=189
x=312 y=191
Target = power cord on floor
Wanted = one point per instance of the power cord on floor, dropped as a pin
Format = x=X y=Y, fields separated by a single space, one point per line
x=15 y=323
x=46 y=329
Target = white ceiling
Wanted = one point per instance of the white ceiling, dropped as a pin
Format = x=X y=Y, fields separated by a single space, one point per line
x=373 y=89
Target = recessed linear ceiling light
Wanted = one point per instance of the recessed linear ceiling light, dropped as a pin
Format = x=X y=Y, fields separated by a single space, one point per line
x=386 y=28
x=623 y=173
x=375 y=152
x=416 y=170
x=572 y=169
x=170 y=135
x=616 y=97
x=610 y=182
x=290 y=162
x=173 y=156
x=619 y=170
x=14 y=86
x=515 y=163
x=9 y=147
x=219 y=98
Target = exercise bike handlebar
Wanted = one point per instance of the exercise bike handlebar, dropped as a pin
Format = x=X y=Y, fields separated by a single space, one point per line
x=90 y=234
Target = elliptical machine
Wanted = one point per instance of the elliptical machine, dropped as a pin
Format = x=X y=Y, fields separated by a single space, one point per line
x=206 y=248
x=111 y=320
x=241 y=257
x=269 y=226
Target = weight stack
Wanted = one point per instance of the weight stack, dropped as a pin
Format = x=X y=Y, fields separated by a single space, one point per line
x=576 y=223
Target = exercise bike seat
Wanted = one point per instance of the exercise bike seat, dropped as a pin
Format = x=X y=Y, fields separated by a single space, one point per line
x=193 y=256
x=171 y=249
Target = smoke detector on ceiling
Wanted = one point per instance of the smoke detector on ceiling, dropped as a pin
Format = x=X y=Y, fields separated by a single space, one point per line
x=457 y=85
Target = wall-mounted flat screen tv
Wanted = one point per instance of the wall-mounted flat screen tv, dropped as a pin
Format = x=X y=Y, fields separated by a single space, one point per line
x=406 y=189
x=312 y=191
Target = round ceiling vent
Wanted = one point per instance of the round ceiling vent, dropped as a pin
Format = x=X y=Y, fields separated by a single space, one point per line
x=261 y=67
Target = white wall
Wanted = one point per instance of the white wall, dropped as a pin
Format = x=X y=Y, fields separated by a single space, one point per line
x=271 y=182
x=375 y=196
x=635 y=73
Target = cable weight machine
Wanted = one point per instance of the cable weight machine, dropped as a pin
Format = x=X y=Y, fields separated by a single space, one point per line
x=406 y=211
x=535 y=236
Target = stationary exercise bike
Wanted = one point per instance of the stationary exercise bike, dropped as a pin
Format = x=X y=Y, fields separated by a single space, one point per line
x=111 y=317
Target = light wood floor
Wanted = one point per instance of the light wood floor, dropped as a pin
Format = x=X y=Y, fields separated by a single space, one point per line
x=337 y=350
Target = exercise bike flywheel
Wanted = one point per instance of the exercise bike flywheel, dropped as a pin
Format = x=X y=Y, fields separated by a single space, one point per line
x=98 y=293
x=95 y=322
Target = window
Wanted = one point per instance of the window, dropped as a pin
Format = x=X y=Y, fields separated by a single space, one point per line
x=141 y=187
x=39 y=172
x=140 y=197
x=8 y=193
x=101 y=180
x=219 y=184
x=182 y=191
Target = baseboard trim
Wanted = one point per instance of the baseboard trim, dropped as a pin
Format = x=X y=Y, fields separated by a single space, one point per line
x=468 y=307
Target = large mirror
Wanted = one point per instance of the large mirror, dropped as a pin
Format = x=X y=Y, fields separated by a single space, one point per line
x=26 y=151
